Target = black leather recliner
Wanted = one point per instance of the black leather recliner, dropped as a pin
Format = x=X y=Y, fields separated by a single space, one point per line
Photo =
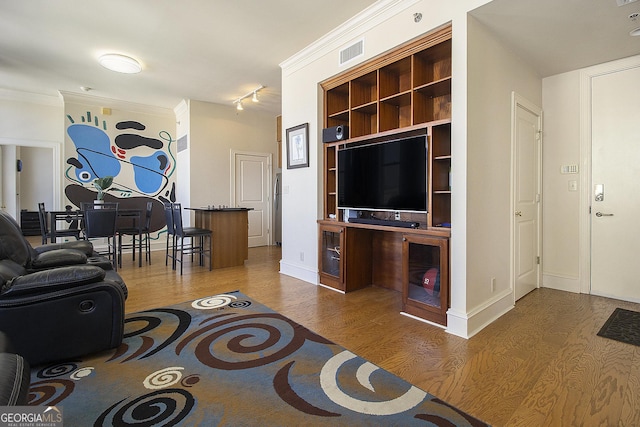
x=57 y=301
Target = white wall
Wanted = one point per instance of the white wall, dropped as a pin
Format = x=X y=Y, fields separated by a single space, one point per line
x=494 y=72
x=32 y=120
x=30 y=117
x=183 y=180
x=561 y=140
x=215 y=130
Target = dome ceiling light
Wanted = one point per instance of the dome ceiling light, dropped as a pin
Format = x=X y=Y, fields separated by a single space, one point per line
x=120 y=63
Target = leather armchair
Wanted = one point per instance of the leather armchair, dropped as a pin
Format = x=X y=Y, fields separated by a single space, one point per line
x=57 y=301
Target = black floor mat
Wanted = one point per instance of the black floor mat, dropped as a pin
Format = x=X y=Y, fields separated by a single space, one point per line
x=623 y=325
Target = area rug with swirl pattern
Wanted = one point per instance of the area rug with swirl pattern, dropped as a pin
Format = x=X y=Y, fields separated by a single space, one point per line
x=229 y=360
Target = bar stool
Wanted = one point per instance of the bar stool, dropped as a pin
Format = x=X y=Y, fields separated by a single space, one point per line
x=189 y=240
x=171 y=236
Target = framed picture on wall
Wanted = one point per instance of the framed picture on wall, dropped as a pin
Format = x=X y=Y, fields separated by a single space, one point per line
x=298 y=146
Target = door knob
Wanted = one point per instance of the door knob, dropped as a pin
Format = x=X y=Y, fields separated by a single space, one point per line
x=518 y=213
x=600 y=214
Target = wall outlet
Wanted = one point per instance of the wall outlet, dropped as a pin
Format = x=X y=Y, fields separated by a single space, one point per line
x=397 y=216
x=301 y=256
x=493 y=284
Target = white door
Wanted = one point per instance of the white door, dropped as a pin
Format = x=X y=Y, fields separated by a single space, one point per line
x=253 y=190
x=526 y=143
x=615 y=162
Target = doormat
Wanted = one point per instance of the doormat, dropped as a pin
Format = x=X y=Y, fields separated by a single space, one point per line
x=623 y=325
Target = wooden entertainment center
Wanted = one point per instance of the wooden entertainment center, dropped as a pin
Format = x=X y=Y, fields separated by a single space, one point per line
x=404 y=92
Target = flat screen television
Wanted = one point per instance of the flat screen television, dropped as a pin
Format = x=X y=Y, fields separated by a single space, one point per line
x=390 y=175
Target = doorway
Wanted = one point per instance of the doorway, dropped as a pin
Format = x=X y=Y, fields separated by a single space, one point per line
x=42 y=174
x=526 y=167
x=615 y=190
x=251 y=188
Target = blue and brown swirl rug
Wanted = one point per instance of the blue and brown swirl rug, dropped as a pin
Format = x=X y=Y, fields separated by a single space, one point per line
x=228 y=360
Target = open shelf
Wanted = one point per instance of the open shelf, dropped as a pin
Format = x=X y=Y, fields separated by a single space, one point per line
x=364 y=90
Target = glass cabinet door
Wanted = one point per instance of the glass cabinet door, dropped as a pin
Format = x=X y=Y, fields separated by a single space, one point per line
x=426 y=278
x=331 y=264
x=331 y=253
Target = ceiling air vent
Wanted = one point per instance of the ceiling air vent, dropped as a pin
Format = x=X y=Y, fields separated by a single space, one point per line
x=352 y=52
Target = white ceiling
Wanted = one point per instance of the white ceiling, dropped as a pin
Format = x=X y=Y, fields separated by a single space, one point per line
x=557 y=36
x=208 y=50
x=218 y=50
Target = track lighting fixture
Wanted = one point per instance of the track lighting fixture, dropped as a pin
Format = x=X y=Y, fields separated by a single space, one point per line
x=253 y=94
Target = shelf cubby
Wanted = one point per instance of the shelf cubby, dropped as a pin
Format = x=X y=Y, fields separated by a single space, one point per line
x=337 y=100
x=395 y=78
x=441 y=209
x=364 y=90
x=330 y=179
x=364 y=120
x=441 y=140
x=395 y=112
x=433 y=64
x=429 y=108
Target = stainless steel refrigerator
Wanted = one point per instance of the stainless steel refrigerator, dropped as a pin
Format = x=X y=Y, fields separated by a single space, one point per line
x=277 y=210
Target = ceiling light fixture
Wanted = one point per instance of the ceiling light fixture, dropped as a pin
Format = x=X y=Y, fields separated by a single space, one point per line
x=253 y=94
x=120 y=63
x=635 y=32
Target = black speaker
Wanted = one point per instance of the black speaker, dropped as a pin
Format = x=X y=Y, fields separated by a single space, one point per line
x=336 y=133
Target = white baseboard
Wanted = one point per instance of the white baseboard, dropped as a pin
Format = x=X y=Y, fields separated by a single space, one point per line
x=468 y=324
x=299 y=272
x=561 y=283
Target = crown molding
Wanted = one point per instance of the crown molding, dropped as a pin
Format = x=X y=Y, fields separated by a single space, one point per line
x=355 y=27
x=116 y=104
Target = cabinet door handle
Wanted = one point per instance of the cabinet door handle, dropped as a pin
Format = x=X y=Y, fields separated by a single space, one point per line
x=518 y=213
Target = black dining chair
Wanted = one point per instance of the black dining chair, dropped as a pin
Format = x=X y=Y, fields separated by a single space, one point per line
x=72 y=231
x=100 y=222
x=143 y=233
x=190 y=240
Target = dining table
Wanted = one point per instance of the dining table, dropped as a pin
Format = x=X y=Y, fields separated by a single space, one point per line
x=135 y=215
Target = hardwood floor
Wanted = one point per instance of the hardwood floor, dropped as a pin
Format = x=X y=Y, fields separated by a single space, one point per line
x=541 y=364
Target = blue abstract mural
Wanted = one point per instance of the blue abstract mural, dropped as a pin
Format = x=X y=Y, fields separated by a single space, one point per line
x=141 y=164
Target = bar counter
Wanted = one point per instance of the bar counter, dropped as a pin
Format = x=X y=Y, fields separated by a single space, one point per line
x=230 y=228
